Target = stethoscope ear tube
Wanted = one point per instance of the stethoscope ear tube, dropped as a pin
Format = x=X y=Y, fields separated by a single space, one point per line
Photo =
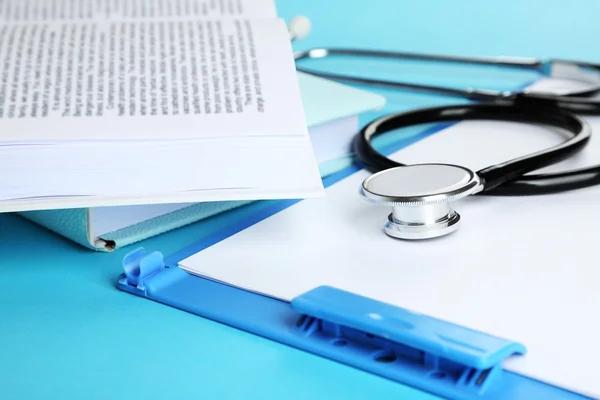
x=574 y=104
x=579 y=100
x=543 y=184
x=506 y=178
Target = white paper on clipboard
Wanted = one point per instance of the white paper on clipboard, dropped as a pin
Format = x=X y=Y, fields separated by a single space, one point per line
x=523 y=268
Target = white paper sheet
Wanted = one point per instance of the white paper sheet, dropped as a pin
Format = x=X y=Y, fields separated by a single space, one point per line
x=523 y=268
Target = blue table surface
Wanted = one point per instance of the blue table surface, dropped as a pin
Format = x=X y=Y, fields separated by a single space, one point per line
x=67 y=332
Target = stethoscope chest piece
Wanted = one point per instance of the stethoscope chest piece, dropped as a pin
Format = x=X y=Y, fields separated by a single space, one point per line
x=420 y=197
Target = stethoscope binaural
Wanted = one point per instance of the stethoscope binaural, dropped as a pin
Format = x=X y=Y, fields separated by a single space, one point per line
x=583 y=77
x=420 y=194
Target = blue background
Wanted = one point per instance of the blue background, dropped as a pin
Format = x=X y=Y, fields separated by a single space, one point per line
x=67 y=332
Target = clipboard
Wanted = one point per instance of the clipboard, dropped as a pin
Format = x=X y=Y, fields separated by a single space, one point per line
x=412 y=349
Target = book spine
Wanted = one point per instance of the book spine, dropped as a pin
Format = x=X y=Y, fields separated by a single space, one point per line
x=69 y=223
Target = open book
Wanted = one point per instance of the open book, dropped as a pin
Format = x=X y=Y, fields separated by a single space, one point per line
x=332 y=114
x=142 y=102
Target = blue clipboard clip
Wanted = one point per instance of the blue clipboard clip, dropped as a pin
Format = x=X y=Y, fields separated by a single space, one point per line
x=400 y=344
x=391 y=342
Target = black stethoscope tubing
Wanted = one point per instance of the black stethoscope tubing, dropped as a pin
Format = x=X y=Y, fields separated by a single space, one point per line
x=508 y=178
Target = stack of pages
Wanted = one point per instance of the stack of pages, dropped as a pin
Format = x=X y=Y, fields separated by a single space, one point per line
x=332 y=117
x=144 y=102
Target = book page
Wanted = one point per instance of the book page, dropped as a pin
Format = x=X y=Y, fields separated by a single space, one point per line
x=153 y=79
x=94 y=10
x=90 y=174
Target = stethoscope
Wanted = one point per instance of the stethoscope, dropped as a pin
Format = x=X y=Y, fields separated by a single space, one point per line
x=420 y=194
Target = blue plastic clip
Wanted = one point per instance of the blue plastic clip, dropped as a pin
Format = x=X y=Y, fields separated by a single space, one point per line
x=403 y=345
x=138 y=266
